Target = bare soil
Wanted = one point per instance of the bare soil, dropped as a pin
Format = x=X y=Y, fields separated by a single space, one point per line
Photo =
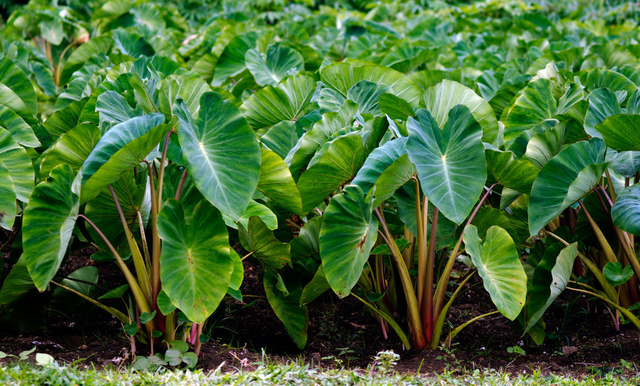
x=581 y=336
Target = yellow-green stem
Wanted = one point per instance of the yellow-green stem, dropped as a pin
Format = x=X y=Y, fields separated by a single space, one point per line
x=421 y=240
x=604 y=244
x=455 y=332
x=632 y=318
x=407 y=286
x=119 y=315
x=437 y=329
x=612 y=190
x=136 y=255
x=133 y=284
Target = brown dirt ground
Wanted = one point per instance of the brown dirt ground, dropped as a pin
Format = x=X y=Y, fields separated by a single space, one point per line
x=341 y=333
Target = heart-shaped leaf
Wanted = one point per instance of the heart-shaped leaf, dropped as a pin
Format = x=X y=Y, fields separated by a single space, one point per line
x=272 y=105
x=222 y=153
x=450 y=162
x=615 y=274
x=439 y=100
x=195 y=267
x=278 y=62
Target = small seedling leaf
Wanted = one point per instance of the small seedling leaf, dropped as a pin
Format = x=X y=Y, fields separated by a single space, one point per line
x=131 y=329
x=115 y=293
x=25 y=354
x=190 y=359
x=179 y=345
x=615 y=274
x=146 y=317
x=142 y=363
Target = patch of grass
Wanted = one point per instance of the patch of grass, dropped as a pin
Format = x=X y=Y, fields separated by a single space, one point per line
x=21 y=373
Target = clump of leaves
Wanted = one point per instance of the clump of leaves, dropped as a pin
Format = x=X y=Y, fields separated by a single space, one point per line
x=175 y=356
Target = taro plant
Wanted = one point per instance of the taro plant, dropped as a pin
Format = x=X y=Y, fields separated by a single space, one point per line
x=408 y=192
x=177 y=245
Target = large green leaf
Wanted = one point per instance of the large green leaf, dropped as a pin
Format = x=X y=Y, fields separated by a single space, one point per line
x=288 y=309
x=188 y=88
x=259 y=239
x=550 y=278
x=330 y=124
x=72 y=148
x=565 y=179
x=626 y=211
x=396 y=175
x=615 y=274
x=277 y=183
x=620 y=132
x=349 y=232
x=254 y=209
x=377 y=162
x=7 y=200
x=450 y=162
x=16 y=284
x=439 y=100
x=272 y=105
x=48 y=222
x=131 y=44
x=15 y=79
x=195 y=267
x=19 y=129
x=533 y=106
x=305 y=249
x=337 y=166
x=221 y=151
x=625 y=163
x=232 y=60
x=120 y=149
x=510 y=172
x=113 y=109
x=316 y=287
x=79 y=57
x=342 y=76
x=603 y=103
x=82 y=280
x=281 y=138
x=395 y=108
x=544 y=146
x=366 y=95
x=66 y=119
x=19 y=176
x=603 y=78
x=279 y=62
x=498 y=263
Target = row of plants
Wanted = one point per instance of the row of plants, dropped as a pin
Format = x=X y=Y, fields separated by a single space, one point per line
x=390 y=151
